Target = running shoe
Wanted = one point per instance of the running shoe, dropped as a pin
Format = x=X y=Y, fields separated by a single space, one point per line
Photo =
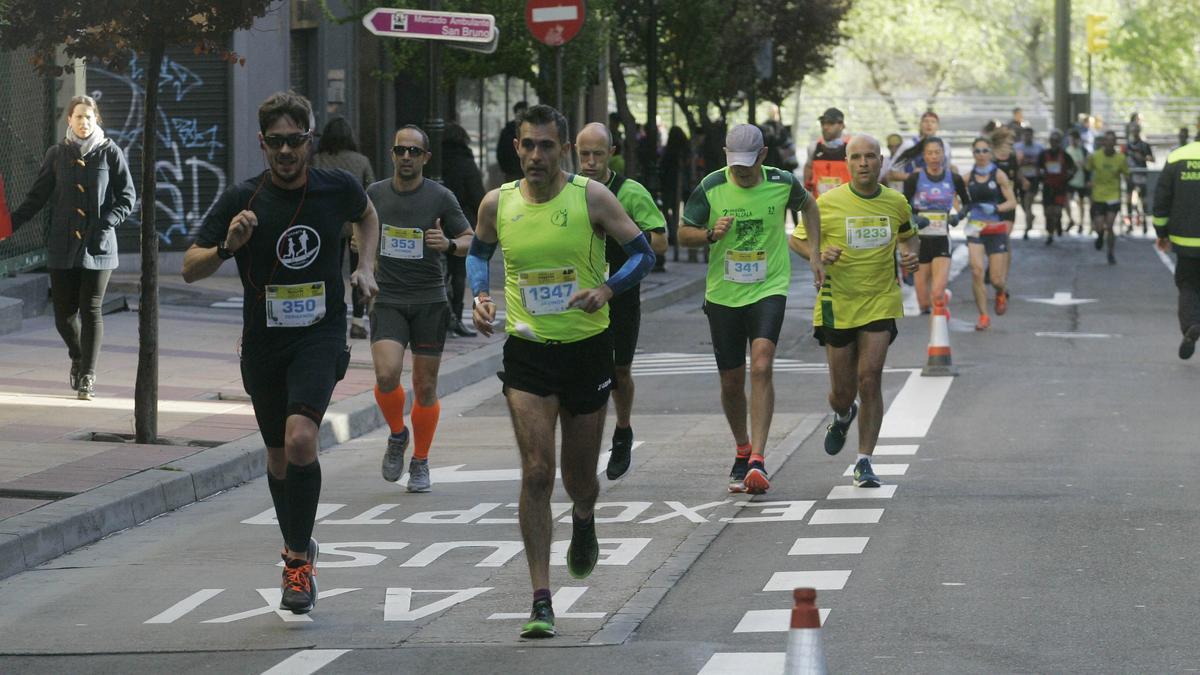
x=87 y=388
x=1001 y=303
x=1099 y=240
x=1112 y=259
x=74 y=378
x=358 y=332
x=984 y=323
x=1188 y=346
x=299 y=587
x=864 y=476
x=620 y=456
x=310 y=555
x=393 y=458
x=541 y=621
x=584 y=549
x=835 y=432
x=737 y=475
x=418 y=475
x=756 y=482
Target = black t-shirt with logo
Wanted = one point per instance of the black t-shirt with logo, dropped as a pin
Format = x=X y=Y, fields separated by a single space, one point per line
x=291 y=268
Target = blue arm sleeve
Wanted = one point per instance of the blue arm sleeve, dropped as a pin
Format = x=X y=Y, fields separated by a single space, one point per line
x=641 y=259
x=478 y=272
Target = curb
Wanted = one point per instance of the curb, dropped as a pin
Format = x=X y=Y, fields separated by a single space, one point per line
x=30 y=539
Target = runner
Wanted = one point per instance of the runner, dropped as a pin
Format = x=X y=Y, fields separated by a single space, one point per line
x=855 y=316
x=931 y=192
x=826 y=165
x=1105 y=168
x=1077 y=186
x=1006 y=160
x=594 y=147
x=991 y=195
x=558 y=366
x=1055 y=170
x=1177 y=225
x=740 y=212
x=420 y=221
x=909 y=157
x=1140 y=155
x=283 y=228
x=1028 y=151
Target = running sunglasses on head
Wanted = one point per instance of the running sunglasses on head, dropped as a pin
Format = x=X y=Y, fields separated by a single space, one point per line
x=413 y=150
x=275 y=142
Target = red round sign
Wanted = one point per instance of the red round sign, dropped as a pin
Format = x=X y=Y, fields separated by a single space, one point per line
x=554 y=22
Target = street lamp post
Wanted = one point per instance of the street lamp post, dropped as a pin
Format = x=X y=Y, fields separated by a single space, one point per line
x=435 y=124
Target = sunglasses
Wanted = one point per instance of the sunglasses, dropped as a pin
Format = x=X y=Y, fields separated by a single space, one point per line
x=412 y=150
x=293 y=140
x=981 y=151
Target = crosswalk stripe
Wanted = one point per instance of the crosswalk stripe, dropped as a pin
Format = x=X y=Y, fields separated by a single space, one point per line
x=896 y=450
x=771 y=620
x=845 y=516
x=739 y=663
x=882 y=469
x=851 y=492
x=305 y=662
x=828 y=545
x=822 y=580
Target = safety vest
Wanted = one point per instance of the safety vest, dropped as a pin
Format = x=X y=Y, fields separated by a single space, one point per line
x=829 y=168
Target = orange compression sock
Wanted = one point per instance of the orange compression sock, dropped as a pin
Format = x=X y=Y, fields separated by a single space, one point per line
x=391 y=403
x=425 y=421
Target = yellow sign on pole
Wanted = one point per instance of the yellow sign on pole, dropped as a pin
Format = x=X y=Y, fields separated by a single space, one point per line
x=1097 y=33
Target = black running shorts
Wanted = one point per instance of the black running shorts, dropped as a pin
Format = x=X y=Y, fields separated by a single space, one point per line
x=933 y=247
x=844 y=337
x=423 y=326
x=292 y=379
x=625 y=320
x=732 y=328
x=579 y=373
x=992 y=243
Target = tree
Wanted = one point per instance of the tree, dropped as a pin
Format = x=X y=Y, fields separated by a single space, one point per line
x=105 y=31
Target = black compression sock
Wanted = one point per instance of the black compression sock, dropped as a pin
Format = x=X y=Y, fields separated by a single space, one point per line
x=303 y=493
x=278 y=488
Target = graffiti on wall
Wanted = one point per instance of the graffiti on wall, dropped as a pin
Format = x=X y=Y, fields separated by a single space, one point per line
x=191 y=152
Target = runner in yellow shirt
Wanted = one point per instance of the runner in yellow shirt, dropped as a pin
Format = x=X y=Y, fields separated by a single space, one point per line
x=1106 y=167
x=862 y=224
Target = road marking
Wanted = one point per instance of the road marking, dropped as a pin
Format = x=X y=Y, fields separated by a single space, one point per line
x=822 y=580
x=504 y=551
x=851 y=492
x=845 y=516
x=881 y=450
x=397 y=605
x=882 y=469
x=1071 y=336
x=829 y=545
x=674 y=363
x=272 y=596
x=771 y=620
x=125 y=404
x=454 y=473
x=912 y=411
x=1166 y=260
x=1061 y=299
x=172 y=613
x=740 y=663
x=562 y=601
x=305 y=662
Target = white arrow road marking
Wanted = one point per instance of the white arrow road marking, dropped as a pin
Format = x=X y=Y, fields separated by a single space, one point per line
x=1061 y=299
x=272 y=596
x=455 y=473
x=184 y=606
x=306 y=662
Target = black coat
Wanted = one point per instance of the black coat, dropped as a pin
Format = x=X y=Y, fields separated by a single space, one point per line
x=92 y=196
x=461 y=176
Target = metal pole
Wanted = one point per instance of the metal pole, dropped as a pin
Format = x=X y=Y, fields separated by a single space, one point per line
x=1062 y=64
x=650 y=170
x=482 y=131
x=436 y=123
x=558 y=67
x=1089 y=95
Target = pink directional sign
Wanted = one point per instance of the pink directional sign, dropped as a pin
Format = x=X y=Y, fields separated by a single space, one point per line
x=424 y=25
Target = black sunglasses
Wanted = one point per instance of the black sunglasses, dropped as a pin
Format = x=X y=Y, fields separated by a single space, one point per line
x=414 y=150
x=293 y=140
x=981 y=150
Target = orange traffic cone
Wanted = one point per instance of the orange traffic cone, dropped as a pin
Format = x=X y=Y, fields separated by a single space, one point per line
x=938 y=364
x=804 y=653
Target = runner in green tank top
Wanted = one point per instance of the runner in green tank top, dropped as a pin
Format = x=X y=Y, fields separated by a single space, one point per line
x=739 y=211
x=558 y=358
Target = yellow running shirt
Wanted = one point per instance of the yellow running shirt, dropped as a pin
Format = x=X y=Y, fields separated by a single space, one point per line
x=861 y=286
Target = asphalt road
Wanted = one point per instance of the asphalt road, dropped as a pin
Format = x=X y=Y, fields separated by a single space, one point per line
x=1038 y=516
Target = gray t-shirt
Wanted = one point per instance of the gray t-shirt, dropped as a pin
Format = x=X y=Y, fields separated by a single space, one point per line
x=408 y=271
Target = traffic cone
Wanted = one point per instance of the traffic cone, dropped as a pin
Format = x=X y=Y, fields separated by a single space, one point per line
x=938 y=364
x=804 y=653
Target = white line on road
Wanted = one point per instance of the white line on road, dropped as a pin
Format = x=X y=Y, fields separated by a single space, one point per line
x=740 y=663
x=1166 y=260
x=113 y=403
x=305 y=662
x=771 y=620
x=881 y=450
x=822 y=580
x=851 y=492
x=845 y=516
x=1072 y=336
x=882 y=469
x=185 y=605
x=914 y=408
x=829 y=546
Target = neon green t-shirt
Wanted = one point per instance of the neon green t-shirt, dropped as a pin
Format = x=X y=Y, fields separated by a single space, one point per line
x=752 y=261
x=861 y=287
x=550 y=251
x=1106 y=175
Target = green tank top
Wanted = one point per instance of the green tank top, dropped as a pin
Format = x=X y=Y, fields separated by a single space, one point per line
x=550 y=251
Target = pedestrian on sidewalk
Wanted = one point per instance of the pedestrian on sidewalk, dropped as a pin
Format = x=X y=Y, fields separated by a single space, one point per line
x=88 y=179
x=282 y=227
x=337 y=149
x=462 y=177
x=1177 y=224
x=422 y=222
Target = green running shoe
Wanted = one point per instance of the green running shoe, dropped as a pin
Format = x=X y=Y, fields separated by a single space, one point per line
x=541 y=621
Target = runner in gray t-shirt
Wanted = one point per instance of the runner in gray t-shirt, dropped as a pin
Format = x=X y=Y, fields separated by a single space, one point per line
x=420 y=221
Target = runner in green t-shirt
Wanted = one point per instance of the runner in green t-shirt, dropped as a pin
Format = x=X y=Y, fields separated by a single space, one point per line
x=740 y=213
x=594 y=146
x=1106 y=166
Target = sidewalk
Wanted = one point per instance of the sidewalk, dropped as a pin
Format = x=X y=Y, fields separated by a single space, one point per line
x=68 y=476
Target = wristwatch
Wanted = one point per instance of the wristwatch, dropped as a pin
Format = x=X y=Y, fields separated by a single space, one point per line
x=709 y=237
x=223 y=253
x=453 y=247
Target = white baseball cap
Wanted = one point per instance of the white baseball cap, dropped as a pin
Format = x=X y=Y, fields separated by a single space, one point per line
x=742 y=145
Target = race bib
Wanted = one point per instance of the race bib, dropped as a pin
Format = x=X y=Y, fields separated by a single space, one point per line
x=407 y=243
x=546 y=291
x=1054 y=167
x=745 y=267
x=296 y=305
x=937 y=227
x=1029 y=171
x=827 y=183
x=863 y=232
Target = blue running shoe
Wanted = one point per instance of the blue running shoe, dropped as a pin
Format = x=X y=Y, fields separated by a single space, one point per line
x=835 y=433
x=864 y=475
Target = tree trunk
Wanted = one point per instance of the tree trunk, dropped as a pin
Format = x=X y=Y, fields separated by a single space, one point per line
x=621 y=94
x=145 y=396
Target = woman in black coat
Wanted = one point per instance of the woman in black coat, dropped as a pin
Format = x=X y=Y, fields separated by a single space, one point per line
x=461 y=176
x=86 y=180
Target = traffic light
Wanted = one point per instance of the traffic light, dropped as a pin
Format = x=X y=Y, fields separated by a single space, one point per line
x=1097 y=33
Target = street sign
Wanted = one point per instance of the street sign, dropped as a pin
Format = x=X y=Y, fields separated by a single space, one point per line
x=554 y=22
x=425 y=25
x=1097 y=33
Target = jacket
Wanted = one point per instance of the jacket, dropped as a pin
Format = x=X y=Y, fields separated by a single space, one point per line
x=92 y=196
x=1177 y=201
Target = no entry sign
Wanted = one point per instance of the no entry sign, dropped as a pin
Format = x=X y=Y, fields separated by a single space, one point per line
x=554 y=22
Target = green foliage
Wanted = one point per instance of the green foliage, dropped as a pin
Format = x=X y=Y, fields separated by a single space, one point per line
x=1154 y=49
